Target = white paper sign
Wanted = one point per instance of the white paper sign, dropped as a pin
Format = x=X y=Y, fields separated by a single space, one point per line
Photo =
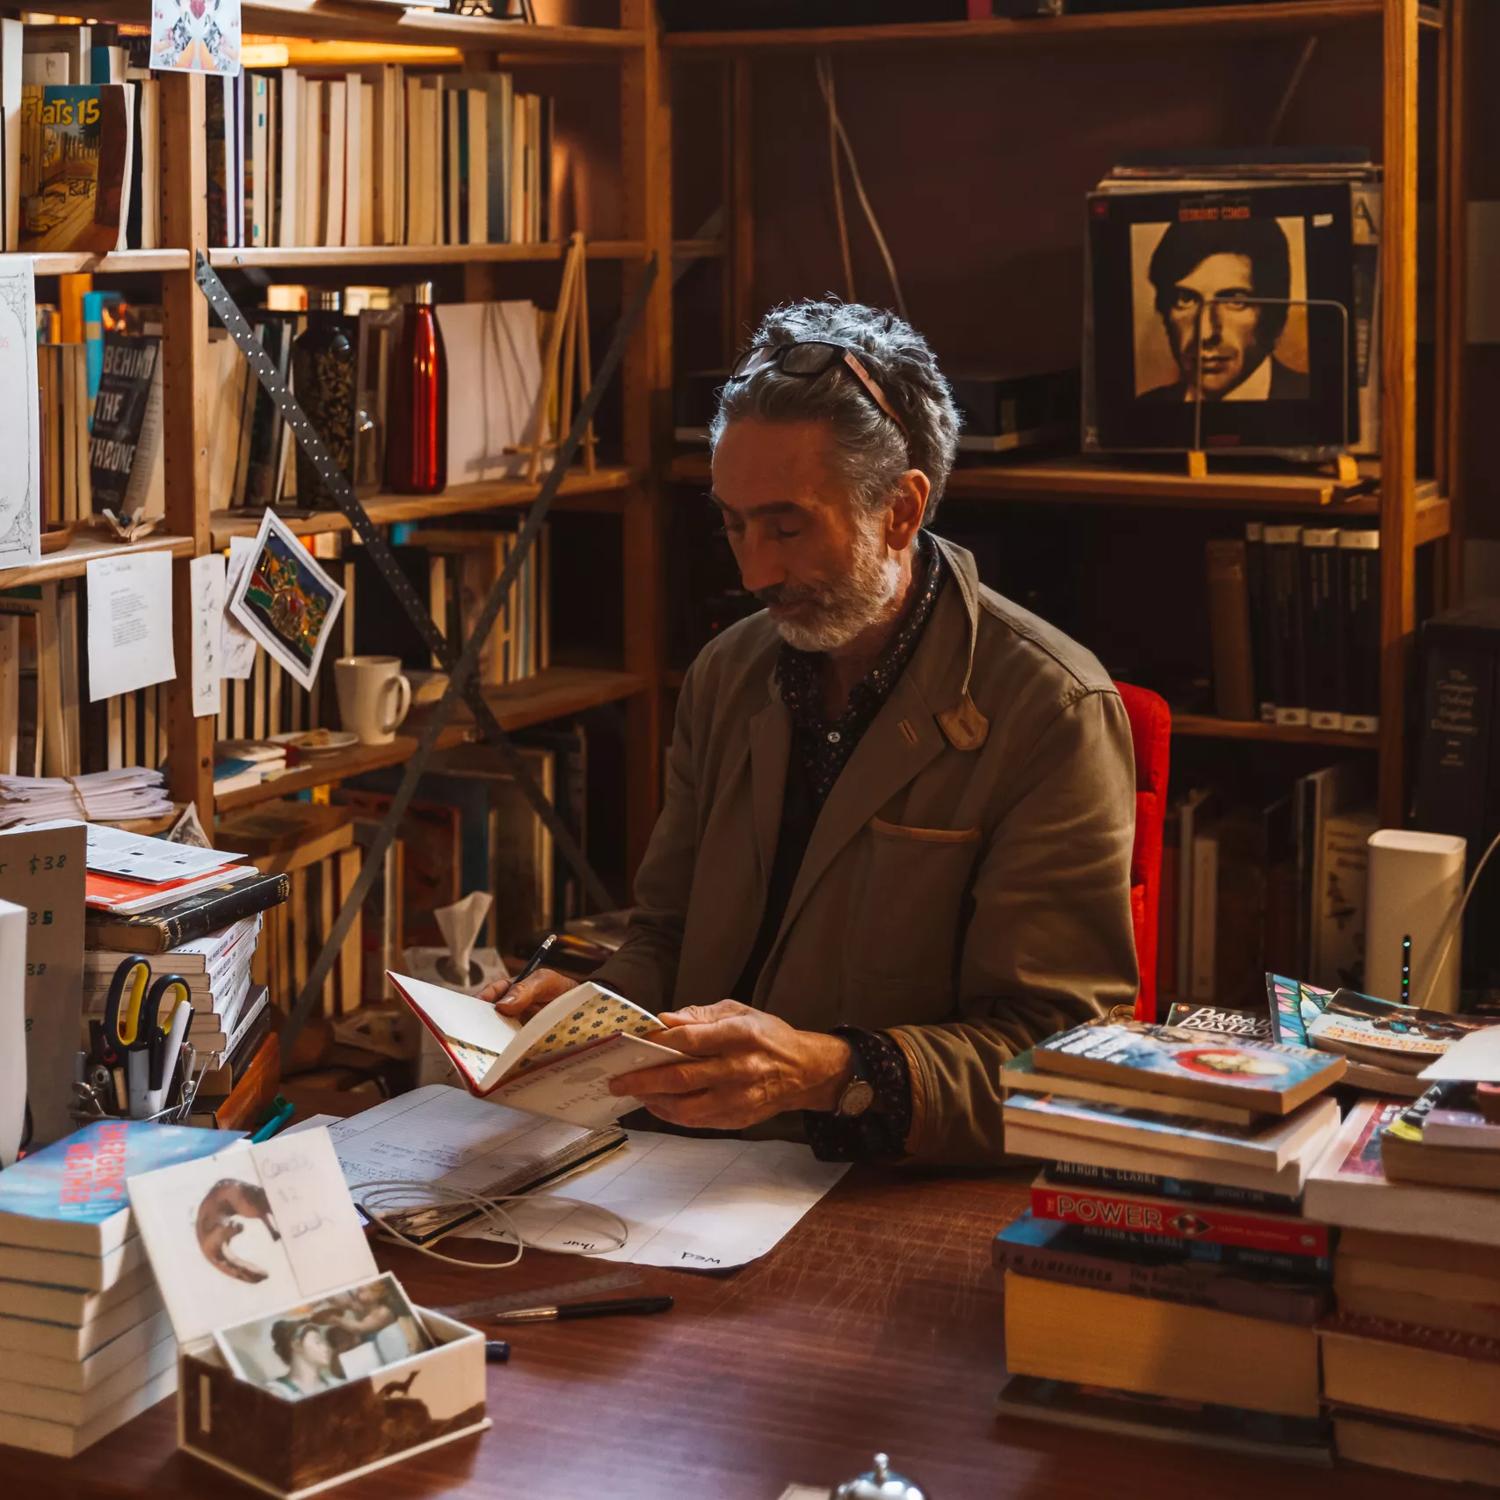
x=130 y=623
x=286 y=601
x=239 y=644
x=196 y=38
x=20 y=431
x=207 y=589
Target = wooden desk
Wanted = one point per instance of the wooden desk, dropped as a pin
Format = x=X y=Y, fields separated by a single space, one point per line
x=876 y=1324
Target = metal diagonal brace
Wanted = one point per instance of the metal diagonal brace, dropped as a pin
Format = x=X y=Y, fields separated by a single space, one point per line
x=461 y=669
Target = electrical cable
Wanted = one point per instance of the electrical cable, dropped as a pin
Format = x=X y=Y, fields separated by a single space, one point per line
x=825 y=83
x=1455 y=920
x=487 y=1205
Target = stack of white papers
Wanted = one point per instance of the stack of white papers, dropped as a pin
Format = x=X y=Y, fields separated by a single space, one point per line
x=102 y=797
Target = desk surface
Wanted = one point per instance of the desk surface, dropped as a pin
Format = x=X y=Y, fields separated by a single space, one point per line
x=875 y=1324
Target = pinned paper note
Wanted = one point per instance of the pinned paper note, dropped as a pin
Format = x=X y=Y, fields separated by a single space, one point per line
x=130 y=623
x=239 y=644
x=207 y=589
x=20 y=427
x=196 y=36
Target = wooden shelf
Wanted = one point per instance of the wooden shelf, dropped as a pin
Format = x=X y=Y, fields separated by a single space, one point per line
x=514 y=41
x=1080 y=481
x=558 y=693
x=71 y=561
x=553 y=694
x=697 y=249
x=326 y=769
x=314 y=257
x=598 y=491
x=1208 y=727
x=1219 y=23
x=120 y=263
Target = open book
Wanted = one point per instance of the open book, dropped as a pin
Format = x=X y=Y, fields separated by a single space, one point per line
x=559 y=1063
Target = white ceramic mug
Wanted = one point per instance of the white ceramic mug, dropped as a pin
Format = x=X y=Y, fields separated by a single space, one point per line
x=373 y=696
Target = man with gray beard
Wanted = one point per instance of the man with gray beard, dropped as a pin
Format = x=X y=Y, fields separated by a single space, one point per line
x=895 y=845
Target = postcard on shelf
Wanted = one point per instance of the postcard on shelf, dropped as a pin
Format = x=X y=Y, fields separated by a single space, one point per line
x=559 y=1063
x=20 y=422
x=1266 y=1076
x=299 y=1364
x=189 y=37
x=130 y=622
x=286 y=601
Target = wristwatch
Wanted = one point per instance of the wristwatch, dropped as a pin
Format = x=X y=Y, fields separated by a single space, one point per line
x=859 y=1092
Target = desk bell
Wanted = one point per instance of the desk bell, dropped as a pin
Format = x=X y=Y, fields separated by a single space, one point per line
x=881 y=1483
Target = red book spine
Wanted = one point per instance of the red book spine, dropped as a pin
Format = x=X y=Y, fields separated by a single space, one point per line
x=1180 y=1220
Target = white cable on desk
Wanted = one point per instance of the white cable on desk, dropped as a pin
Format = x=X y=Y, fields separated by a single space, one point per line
x=488 y=1206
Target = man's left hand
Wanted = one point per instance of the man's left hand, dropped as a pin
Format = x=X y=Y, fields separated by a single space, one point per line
x=742 y=1066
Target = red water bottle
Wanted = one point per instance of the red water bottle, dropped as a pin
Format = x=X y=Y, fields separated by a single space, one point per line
x=416 y=450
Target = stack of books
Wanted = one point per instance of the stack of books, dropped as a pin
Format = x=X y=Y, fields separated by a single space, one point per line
x=1166 y=1229
x=85 y=1341
x=1411 y=1361
x=217 y=970
x=1387 y=1044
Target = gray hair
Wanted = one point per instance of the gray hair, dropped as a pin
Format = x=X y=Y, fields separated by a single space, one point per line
x=872 y=453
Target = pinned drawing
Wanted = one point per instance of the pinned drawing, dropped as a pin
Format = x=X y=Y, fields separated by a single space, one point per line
x=196 y=36
x=286 y=601
x=20 y=482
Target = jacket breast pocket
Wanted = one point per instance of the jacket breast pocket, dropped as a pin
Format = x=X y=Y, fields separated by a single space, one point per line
x=907 y=904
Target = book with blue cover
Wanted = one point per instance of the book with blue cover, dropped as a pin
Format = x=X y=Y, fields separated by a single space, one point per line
x=71 y=1195
x=1271 y=1078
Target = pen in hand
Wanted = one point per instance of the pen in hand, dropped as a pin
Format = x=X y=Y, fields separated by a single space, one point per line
x=533 y=963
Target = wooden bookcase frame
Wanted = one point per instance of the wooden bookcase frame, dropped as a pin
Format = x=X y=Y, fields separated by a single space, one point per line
x=1411 y=513
x=629 y=489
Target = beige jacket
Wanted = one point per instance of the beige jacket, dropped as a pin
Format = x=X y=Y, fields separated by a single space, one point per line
x=967 y=885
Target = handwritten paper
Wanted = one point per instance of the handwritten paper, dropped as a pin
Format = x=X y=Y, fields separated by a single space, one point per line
x=196 y=36
x=130 y=623
x=20 y=430
x=239 y=644
x=12 y=1029
x=206 y=586
x=251 y=1230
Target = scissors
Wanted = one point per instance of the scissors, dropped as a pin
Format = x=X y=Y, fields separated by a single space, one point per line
x=140 y=1026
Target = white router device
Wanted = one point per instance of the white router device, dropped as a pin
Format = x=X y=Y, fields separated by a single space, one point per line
x=1415 y=883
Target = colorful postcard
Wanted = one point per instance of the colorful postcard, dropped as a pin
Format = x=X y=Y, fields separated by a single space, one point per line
x=20 y=482
x=301 y=1350
x=286 y=601
x=196 y=36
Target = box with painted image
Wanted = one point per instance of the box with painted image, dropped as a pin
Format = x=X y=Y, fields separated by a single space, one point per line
x=300 y=1365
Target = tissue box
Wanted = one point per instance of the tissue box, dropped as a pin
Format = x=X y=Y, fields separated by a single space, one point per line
x=302 y=1447
x=255 y=1234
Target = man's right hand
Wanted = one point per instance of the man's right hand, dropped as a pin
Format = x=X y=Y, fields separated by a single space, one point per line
x=522 y=1001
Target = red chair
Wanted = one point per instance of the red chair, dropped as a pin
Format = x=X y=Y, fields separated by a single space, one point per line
x=1151 y=734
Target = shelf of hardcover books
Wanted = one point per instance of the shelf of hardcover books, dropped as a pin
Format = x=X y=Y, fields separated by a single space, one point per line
x=601 y=490
x=1229 y=22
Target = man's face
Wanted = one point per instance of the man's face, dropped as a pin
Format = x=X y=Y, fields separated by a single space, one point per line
x=810 y=553
x=1211 y=299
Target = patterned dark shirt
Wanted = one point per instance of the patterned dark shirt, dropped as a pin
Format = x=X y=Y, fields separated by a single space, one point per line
x=821 y=748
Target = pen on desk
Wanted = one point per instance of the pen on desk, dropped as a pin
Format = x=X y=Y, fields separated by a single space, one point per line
x=281 y=1113
x=564 y=1311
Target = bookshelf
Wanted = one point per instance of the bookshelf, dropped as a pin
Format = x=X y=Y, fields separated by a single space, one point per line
x=623 y=492
x=1399 y=60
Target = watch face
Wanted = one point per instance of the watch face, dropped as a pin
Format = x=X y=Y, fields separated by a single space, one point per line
x=857 y=1097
